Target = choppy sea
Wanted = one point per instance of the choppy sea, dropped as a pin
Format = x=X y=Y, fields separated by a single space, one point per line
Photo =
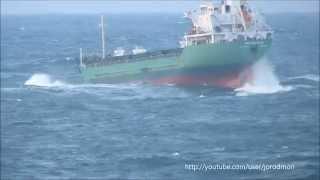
x=54 y=126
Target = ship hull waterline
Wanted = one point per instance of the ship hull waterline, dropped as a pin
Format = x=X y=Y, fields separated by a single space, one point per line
x=226 y=65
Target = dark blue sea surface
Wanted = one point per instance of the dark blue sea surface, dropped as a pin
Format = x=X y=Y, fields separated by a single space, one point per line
x=55 y=126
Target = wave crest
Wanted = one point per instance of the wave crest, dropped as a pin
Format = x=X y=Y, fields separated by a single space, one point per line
x=124 y=91
x=311 y=77
x=43 y=80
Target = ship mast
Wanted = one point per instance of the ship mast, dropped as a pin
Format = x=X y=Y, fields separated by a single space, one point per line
x=80 y=57
x=102 y=37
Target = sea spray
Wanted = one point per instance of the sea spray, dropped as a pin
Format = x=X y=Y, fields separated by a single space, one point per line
x=264 y=81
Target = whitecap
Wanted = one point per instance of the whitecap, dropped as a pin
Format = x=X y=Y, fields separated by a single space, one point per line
x=218 y=149
x=43 y=80
x=171 y=84
x=175 y=154
x=311 y=77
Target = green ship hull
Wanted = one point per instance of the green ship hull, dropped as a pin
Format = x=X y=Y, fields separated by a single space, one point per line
x=224 y=64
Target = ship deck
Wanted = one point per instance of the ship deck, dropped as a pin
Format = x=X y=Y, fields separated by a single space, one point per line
x=109 y=60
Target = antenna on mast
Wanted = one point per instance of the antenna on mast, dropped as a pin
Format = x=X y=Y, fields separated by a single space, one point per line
x=102 y=37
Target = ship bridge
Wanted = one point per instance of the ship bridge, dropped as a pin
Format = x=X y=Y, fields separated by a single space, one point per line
x=229 y=20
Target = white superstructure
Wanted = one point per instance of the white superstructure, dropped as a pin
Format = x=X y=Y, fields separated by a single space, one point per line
x=118 y=52
x=229 y=20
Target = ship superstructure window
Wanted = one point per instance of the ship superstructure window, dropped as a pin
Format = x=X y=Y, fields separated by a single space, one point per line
x=228 y=8
x=202 y=42
x=217 y=29
x=203 y=10
x=216 y=10
x=269 y=35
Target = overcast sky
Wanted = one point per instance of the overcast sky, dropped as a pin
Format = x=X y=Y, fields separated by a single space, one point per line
x=180 y=6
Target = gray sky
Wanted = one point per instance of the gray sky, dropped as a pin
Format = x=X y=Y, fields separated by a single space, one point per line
x=180 y=6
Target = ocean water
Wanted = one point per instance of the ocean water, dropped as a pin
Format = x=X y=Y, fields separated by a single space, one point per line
x=54 y=126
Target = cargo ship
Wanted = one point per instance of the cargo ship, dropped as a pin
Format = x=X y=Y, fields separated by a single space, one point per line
x=225 y=40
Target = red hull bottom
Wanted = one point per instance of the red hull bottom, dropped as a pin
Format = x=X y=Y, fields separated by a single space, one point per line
x=227 y=80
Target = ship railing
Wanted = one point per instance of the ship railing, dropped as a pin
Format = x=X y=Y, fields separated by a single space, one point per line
x=239 y=36
x=96 y=60
x=198 y=35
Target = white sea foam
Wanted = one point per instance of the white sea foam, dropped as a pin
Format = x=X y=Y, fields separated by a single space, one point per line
x=175 y=154
x=311 y=77
x=43 y=80
x=264 y=81
x=182 y=22
x=68 y=58
x=218 y=149
x=123 y=91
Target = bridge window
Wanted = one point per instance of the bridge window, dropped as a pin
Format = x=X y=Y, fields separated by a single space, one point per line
x=228 y=8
